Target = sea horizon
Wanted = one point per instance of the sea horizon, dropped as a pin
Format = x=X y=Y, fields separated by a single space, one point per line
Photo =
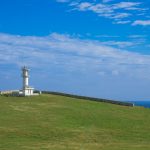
x=144 y=103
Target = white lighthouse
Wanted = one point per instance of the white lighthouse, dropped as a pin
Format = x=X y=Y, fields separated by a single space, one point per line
x=27 y=90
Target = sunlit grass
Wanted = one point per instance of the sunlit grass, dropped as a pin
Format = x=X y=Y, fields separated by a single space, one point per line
x=50 y=122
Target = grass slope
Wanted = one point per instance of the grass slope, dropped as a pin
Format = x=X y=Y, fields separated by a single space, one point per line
x=50 y=122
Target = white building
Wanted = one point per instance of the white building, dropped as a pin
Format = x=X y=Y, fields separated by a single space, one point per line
x=26 y=90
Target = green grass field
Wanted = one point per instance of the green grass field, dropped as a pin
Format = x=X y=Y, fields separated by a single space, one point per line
x=50 y=122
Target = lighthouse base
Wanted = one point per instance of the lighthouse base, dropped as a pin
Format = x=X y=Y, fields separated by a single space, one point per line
x=28 y=91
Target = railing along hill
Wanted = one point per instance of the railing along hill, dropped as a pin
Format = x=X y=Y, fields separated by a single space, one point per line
x=90 y=98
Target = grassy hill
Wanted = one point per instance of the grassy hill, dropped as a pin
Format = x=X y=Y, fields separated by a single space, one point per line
x=50 y=122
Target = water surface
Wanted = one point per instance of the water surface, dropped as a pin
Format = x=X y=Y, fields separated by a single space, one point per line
x=145 y=104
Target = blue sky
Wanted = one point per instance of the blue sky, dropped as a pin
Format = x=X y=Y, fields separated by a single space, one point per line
x=97 y=48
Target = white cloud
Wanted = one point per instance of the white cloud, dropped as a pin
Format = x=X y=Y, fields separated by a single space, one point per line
x=70 y=53
x=102 y=10
x=122 y=22
x=120 y=44
x=73 y=3
x=141 y=22
x=121 y=15
x=126 y=5
x=137 y=36
x=107 y=36
x=120 y=12
x=115 y=72
x=84 y=6
x=114 y=11
x=62 y=1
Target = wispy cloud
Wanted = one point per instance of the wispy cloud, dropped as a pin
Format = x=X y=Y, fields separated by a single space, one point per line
x=120 y=12
x=71 y=53
x=120 y=44
x=104 y=10
x=122 y=22
x=127 y=5
x=141 y=22
x=137 y=36
x=62 y=1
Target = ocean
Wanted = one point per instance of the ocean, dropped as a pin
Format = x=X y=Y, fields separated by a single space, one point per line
x=145 y=104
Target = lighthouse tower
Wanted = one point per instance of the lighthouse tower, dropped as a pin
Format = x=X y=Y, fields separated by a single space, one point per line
x=27 y=90
x=25 y=75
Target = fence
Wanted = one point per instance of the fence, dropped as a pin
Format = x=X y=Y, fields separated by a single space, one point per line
x=90 y=98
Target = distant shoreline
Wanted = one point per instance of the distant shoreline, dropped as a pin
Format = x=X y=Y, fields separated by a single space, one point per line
x=145 y=104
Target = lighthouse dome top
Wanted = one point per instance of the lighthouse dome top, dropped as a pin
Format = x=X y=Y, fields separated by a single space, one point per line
x=25 y=68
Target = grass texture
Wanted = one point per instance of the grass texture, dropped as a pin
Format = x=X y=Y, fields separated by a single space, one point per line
x=50 y=122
